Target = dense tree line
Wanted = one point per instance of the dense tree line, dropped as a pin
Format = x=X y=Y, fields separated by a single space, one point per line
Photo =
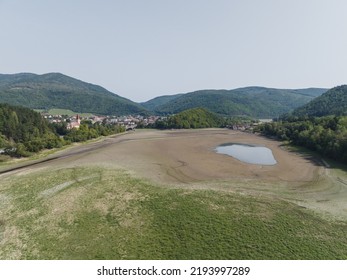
x=23 y=131
x=88 y=131
x=326 y=135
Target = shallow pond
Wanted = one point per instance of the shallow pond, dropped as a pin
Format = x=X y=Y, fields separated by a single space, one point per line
x=248 y=153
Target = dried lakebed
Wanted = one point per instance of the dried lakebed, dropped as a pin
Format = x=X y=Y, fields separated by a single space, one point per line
x=168 y=195
x=187 y=158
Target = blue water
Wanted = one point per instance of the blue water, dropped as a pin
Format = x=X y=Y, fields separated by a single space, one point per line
x=248 y=153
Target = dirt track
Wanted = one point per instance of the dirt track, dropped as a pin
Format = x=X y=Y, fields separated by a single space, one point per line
x=187 y=158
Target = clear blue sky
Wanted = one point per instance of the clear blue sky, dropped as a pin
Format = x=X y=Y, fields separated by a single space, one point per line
x=140 y=49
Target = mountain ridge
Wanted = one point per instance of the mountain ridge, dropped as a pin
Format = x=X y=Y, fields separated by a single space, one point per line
x=56 y=90
x=250 y=101
x=332 y=102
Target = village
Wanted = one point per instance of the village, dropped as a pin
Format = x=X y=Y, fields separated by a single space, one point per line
x=129 y=122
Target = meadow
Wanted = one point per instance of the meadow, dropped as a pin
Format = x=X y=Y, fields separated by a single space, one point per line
x=95 y=213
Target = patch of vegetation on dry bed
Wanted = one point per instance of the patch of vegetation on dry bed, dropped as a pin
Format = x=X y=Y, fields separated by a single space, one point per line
x=95 y=213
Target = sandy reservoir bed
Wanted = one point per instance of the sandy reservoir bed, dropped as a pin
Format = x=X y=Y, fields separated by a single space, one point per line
x=187 y=158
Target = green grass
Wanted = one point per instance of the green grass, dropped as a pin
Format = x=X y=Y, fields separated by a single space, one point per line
x=67 y=112
x=95 y=213
x=57 y=111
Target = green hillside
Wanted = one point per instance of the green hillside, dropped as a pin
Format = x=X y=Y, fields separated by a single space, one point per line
x=191 y=118
x=257 y=102
x=152 y=104
x=55 y=90
x=333 y=102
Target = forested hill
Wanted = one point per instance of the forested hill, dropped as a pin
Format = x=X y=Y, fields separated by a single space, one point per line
x=257 y=102
x=55 y=90
x=333 y=102
x=191 y=118
x=154 y=103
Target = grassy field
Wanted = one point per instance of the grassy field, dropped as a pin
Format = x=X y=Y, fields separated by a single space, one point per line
x=100 y=213
x=57 y=111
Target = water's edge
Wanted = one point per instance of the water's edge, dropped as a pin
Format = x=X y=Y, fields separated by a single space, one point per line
x=247 y=153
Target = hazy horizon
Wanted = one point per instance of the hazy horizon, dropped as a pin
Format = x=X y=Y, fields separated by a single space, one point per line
x=141 y=50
